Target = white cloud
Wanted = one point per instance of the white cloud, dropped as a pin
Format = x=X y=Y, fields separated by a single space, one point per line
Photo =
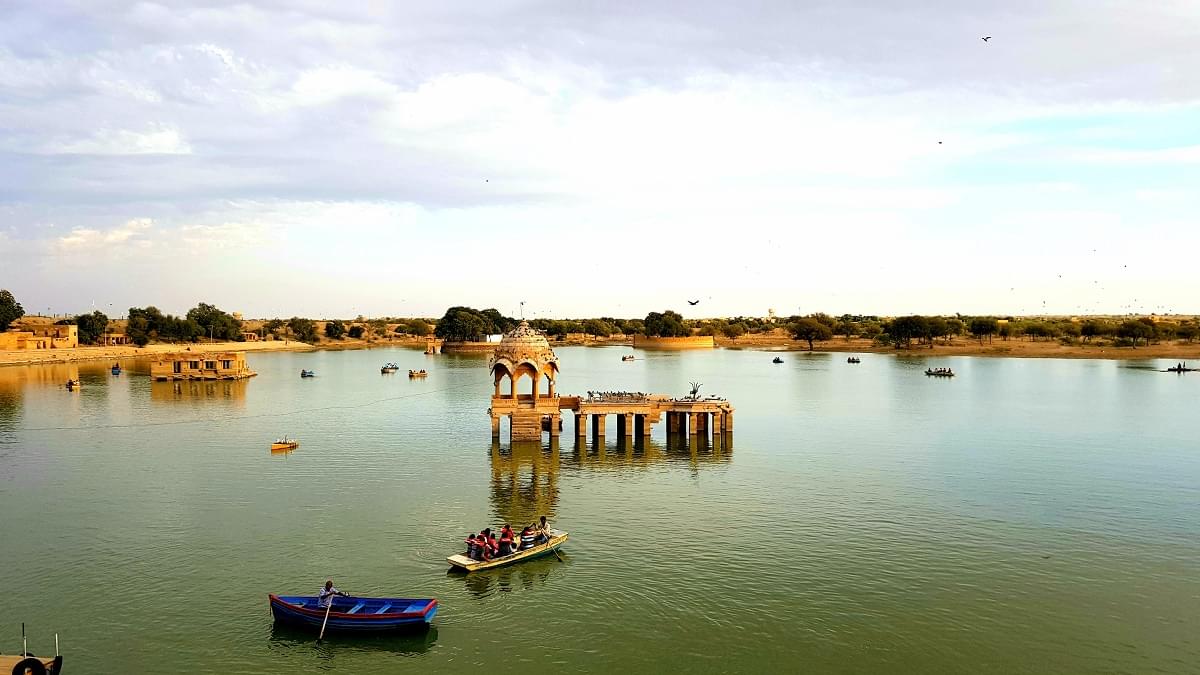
x=127 y=235
x=155 y=141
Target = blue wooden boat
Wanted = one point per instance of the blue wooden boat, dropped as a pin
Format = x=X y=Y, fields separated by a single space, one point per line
x=354 y=614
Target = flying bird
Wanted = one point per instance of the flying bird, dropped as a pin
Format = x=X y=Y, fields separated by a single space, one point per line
x=985 y=39
x=693 y=302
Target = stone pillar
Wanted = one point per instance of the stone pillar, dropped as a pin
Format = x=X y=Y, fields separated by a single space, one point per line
x=598 y=424
x=555 y=425
x=580 y=425
x=729 y=422
x=647 y=426
x=628 y=430
x=693 y=423
x=495 y=426
x=673 y=422
x=717 y=423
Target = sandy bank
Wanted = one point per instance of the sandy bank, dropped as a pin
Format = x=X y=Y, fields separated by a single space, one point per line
x=12 y=358
x=1045 y=349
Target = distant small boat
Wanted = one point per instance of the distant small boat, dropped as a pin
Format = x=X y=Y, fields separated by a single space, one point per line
x=308 y=373
x=1182 y=369
x=462 y=562
x=284 y=444
x=116 y=369
x=72 y=385
x=389 y=368
x=939 y=372
x=777 y=360
x=628 y=357
x=354 y=614
x=417 y=373
x=853 y=359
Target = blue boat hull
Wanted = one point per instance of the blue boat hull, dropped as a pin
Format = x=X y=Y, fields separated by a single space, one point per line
x=355 y=614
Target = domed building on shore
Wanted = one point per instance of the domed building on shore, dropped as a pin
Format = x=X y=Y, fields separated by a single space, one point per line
x=525 y=353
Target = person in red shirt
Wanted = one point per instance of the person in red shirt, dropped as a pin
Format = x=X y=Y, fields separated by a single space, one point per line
x=506 y=540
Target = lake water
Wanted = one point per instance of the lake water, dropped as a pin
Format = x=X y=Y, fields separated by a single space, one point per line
x=1025 y=516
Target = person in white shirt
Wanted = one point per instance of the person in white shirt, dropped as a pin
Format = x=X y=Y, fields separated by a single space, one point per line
x=326 y=595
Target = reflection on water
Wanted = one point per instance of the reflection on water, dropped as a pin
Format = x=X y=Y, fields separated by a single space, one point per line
x=417 y=640
x=524 y=576
x=10 y=410
x=16 y=378
x=524 y=482
x=192 y=390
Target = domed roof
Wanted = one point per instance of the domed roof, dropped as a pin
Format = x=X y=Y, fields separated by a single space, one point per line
x=524 y=343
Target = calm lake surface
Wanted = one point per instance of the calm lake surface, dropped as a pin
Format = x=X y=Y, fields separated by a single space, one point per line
x=1025 y=516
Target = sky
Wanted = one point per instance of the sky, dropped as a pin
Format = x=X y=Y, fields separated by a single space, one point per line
x=601 y=158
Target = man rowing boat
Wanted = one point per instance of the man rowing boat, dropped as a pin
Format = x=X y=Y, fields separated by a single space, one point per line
x=326 y=595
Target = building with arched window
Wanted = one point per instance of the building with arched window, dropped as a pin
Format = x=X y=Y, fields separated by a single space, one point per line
x=524 y=369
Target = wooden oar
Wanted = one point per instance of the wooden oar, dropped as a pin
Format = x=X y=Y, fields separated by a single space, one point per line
x=329 y=607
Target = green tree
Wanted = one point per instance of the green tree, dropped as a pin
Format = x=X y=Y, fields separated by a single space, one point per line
x=935 y=326
x=304 y=330
x=1134 y=330
x=215 y=323
x=10 y=309
x=846 y=328
x=598 y=327
x=811 y=330
x=733 y=329
x=416 y=327
x=904 y=329
x=355 y=332
x=334 y=329
x=1187 y=331
x=378 y=327
x=667 y=324
x=91 y=326
x=463 y=324
x=983 y=326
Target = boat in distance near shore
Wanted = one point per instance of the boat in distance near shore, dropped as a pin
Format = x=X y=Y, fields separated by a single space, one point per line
x=413 y=374
x=349 y=614
x=776 y=360
x=628 y=357
x=284 y=443
x=462 y=562
x=308 y=373
x=853 y=359
x=939 y=373
x=389 y=368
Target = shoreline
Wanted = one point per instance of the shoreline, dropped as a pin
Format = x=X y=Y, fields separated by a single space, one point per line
x=963 y=347
x=1015 y=349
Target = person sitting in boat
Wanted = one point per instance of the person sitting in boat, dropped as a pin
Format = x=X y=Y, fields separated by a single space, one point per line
x=478 y=548
x=326 y=595
x=507 y=544
x=528 y=538
x=490 y=542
